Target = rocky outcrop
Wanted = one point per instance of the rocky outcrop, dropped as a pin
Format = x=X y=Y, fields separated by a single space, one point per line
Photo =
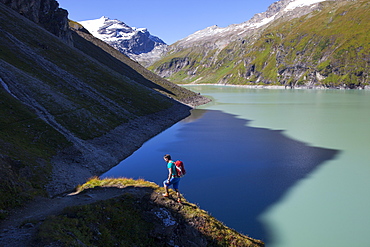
x=46 y=13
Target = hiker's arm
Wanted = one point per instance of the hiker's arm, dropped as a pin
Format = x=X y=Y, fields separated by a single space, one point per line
x=169 y=174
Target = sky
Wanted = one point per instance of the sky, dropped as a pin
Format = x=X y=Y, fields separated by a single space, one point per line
x=170 y=20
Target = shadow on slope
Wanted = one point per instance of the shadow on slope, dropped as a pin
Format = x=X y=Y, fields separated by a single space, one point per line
x=98 y=49
x=122 y=64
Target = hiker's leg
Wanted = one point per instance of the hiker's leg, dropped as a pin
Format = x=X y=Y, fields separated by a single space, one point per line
x=178 y=193
x=166 y=188
x=176 y=188
x=165 y=185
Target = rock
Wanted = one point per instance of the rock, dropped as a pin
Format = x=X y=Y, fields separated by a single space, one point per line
x=46 y=13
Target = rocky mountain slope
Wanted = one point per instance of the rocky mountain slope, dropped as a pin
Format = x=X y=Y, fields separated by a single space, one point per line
x=294 y=43
x=70 y=110
x=136 y=43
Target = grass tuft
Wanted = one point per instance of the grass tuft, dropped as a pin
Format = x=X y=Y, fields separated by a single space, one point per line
x=114 y=182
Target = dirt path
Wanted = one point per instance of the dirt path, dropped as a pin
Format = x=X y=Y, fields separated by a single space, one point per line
x=19 y=228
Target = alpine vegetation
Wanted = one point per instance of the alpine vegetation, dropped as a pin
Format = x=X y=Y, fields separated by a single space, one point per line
x=295 y=43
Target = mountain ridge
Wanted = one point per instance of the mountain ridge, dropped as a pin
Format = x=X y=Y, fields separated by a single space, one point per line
x=221 y=36
x=136 y=43
x=319 y=37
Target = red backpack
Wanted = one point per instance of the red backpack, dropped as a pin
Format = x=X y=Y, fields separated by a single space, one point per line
x=180 y=169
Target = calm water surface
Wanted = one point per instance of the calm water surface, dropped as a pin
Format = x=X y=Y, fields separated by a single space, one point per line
x=290 y=167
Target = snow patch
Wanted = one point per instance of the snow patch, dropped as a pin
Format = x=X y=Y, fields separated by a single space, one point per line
x=93 y=25
x=301 y=3
x=263 y=22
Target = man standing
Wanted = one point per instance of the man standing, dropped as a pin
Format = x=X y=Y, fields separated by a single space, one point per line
x=172 y=179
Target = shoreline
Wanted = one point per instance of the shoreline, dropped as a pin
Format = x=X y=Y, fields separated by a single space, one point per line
x=274 y=86
x=76 y=164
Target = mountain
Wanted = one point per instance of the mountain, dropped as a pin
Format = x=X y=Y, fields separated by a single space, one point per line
x=71 y=106
x=136 y=43
x=218 y=37
x=294 y=43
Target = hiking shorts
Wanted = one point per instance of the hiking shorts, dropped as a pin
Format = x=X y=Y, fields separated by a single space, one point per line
x=174 y=182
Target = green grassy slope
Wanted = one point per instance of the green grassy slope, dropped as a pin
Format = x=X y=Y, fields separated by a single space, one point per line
x=53 y=95
x=329 y=47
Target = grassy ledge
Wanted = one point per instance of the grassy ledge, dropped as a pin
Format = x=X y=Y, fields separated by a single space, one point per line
x=141 y=216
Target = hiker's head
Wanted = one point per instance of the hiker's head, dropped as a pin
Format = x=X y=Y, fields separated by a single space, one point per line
x=167 y=157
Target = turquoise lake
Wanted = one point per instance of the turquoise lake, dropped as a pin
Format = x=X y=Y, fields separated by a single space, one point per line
x=290 y=167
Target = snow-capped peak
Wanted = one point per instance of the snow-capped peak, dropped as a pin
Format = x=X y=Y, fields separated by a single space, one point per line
x=130 y=41
x=107 y=29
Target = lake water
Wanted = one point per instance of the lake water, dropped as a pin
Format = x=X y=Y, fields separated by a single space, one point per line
x=289 y=167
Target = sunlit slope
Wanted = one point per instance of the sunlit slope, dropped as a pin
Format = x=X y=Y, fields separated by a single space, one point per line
x=328 y=47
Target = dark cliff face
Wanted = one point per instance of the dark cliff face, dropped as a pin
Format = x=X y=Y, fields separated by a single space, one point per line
x=46 y=13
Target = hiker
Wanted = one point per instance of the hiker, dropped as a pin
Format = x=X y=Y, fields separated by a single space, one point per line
x=172 y=179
